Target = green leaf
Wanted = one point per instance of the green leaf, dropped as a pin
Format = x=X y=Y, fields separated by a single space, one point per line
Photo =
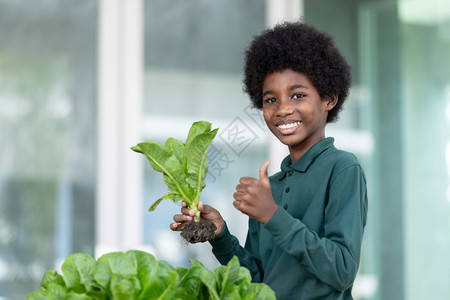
x=195 y=262
x=55 y=291
x=95 y=290
x=232 y=293
x=75 y=296
x=181 y=271
x=157 y=202
x=165 y=266
x=162 y=286
x=207 y=278
x=176 y=147
x=259 y=291
x=147 y=265
x=192 y=180
x=196 y=129
x=196 y=159
x=230 y=276
x=157 y=156
x=244 y=276
x=137 y=149
x=162 y=160
x=161 y=283
x=181 y=293
x=51 y=276
x=112 y=267
x=78 y=270
x=125 y=289
x=175 y=197
x=173 y=186
x=191 y=283
x=37 y=295
x=198 y=277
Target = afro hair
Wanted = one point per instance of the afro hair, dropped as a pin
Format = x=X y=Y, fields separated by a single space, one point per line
x=301 y=48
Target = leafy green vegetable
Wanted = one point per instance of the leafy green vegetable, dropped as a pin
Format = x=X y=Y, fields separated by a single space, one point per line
x=184 y=165
x=138 y=275
x=77 y=270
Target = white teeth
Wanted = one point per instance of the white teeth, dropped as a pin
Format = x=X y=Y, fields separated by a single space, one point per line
x=290 y=125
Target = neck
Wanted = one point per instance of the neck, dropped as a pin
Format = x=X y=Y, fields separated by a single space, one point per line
x=297 y=151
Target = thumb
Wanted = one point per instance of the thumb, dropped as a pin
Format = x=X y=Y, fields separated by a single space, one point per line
x=263 y=170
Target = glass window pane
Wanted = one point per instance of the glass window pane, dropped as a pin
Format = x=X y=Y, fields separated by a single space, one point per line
x=47 y=153
x=426 y=117
x=398 y=51
x=193 y=71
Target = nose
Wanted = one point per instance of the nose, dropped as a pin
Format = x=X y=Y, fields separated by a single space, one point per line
x=285 y=108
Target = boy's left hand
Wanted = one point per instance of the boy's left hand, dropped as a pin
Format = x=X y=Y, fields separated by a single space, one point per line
x=253 y=196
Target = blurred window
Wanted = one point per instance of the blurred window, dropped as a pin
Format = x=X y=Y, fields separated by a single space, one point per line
x=396 y=121
x=47 y=133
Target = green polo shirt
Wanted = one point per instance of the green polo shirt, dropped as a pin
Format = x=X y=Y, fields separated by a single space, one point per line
x=310 y=248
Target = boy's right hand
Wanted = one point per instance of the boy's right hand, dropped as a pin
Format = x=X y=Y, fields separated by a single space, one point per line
x=207 y=213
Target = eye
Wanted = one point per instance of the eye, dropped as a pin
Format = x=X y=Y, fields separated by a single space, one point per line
x=298 y=96
x=270 y=100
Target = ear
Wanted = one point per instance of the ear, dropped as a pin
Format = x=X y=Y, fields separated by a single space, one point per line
x=330 y=102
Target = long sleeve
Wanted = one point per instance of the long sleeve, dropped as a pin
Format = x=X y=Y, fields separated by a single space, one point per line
x=333 y=257
x=225 y=246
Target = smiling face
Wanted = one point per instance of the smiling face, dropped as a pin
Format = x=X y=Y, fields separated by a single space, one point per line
x=294 y=111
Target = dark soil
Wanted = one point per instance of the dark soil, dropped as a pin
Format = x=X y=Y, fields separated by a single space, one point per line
x=198 y=232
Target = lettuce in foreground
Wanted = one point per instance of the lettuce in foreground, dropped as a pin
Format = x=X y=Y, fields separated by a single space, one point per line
x=138 y=275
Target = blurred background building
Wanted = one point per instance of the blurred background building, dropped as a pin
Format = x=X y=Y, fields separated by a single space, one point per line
x=81 y=81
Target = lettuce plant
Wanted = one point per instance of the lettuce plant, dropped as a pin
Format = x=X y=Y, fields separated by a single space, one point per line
x=184 y=167
x=138 y=275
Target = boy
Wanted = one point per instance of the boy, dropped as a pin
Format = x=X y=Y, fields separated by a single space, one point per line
x=307 y=221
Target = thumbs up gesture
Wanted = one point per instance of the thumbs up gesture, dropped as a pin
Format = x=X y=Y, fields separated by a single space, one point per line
x=253 y=196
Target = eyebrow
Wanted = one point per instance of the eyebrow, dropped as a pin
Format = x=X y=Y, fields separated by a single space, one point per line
x=297 y=86
x=291 y=88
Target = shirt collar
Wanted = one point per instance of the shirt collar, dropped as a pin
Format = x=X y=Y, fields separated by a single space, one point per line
x=307 y=159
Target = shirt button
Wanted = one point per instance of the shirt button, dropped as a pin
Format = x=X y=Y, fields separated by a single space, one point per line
x=287 y=190
x=290 y=173
x=285 y=207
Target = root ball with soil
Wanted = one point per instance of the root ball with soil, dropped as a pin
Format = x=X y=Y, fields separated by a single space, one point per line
x=198 y=232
